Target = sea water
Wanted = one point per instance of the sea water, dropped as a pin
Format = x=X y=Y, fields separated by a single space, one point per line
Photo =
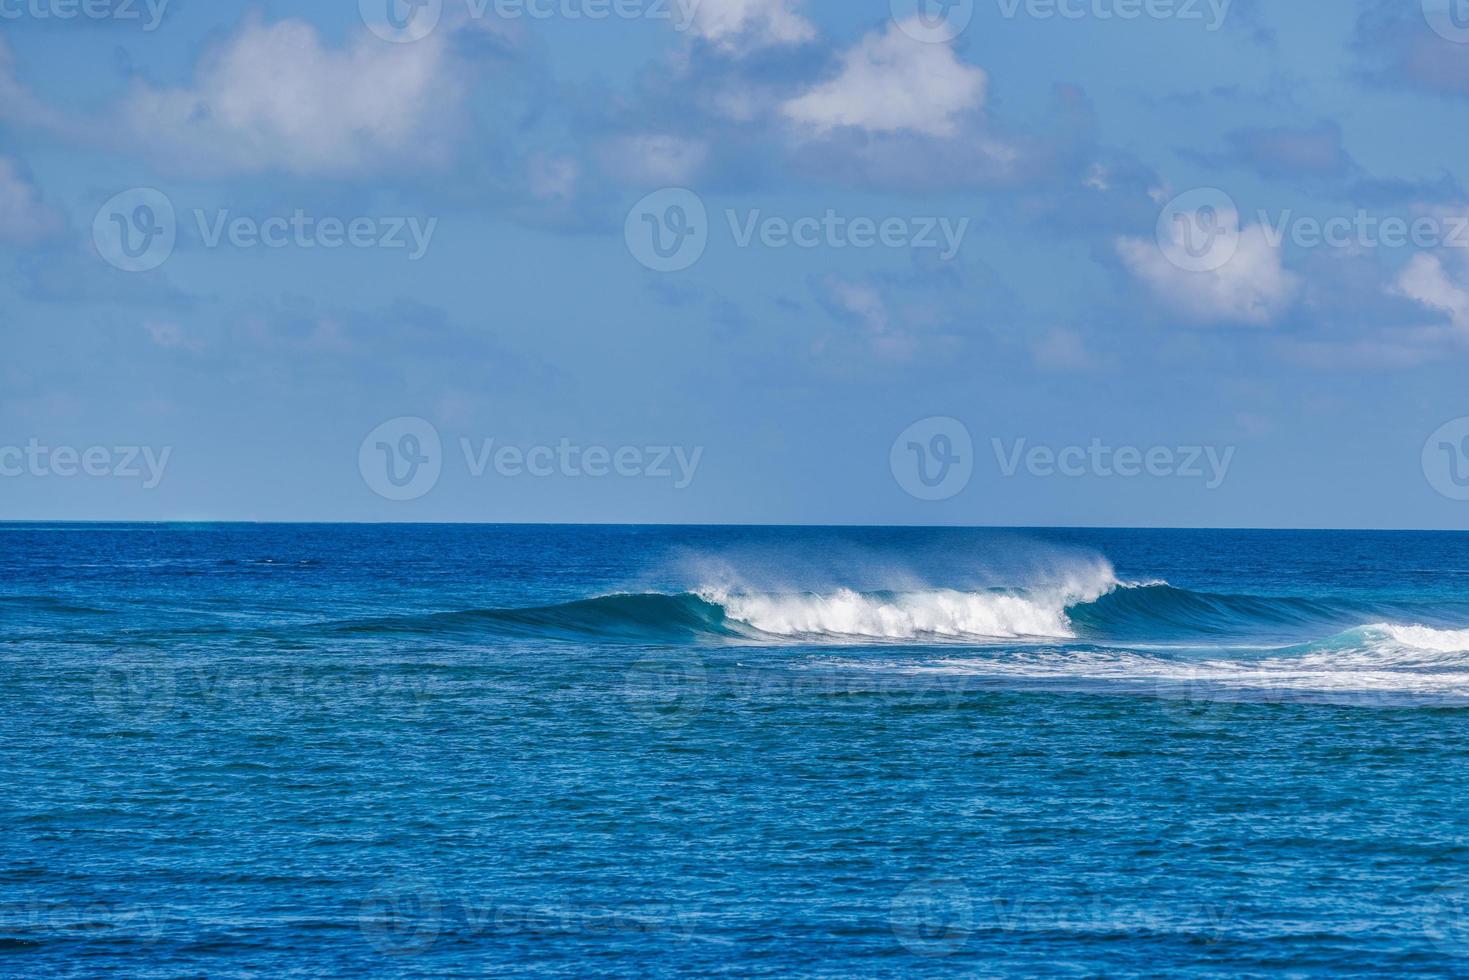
x=310 y=750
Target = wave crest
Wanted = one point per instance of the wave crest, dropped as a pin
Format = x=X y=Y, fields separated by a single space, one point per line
x=899 y=616
x=1426 y=637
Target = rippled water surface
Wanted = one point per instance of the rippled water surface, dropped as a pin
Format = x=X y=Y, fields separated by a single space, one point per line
x=234 y=750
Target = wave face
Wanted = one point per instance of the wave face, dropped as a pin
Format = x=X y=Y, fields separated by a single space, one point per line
x=1158 y=611
x=636 y=618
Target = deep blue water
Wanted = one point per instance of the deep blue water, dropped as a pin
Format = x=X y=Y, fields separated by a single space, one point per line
x=262 y=751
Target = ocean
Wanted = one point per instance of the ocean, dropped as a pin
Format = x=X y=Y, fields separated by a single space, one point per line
x=457 y=751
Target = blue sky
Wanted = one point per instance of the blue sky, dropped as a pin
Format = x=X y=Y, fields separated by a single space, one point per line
x=1014 y=262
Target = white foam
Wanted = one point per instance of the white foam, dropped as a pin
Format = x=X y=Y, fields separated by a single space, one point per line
x=1387 y=646
x=898 y=617
x=1426 y=638
x=1038 y=612
x=1210 y=681
x=1356 y=667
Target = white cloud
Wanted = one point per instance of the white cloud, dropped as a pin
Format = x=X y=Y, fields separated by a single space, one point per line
x=859 y=300
x=1425 y=280
x=1251 y=288
x=883 y=332
x=273 y=96
x=655 y=158
x=740 y=26
x=23 y=217
x=891 y=82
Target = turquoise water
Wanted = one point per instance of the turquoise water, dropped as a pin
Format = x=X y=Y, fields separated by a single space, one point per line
x=236 y=750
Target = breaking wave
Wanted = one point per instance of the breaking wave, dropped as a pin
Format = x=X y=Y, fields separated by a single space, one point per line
x=1095 y=609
